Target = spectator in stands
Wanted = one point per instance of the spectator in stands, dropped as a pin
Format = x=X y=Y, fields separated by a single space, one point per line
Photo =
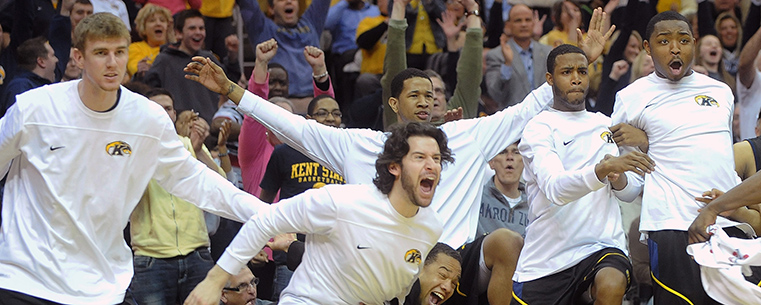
x=424 y=35
x=116 y=7
x=749 y=86
x=566 y=15
x=504 y=203
x=241 y=289
x=154 y=25
x=166 y=71
x=169 y=237
x=175 y=6
x=72 y=70
x=61 y=32
x=371 y=39
x=517 y=67
x=467 y=90
x=293 y=33
x=15 y=33
x=710 y=60
x=220 y=33
x=37 y=60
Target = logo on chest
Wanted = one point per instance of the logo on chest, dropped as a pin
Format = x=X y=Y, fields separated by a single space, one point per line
x=413 y=256
x=705 y=100
x=118 y=148
x=607 y=137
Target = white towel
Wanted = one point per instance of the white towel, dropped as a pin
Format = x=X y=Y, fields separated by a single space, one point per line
x=723 y=260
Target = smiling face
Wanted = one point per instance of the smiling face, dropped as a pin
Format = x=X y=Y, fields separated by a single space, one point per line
x=419 y=172
x=156 y=27
x=415 y=101
x=327 y=112
x=710 y=49
x=508 y=165
x=672 y=46
x=438 y=279
x=103 y=62
x=285 y=12
x=632 y=48
x=569 y=81
x=728 y=32
x=192 y=35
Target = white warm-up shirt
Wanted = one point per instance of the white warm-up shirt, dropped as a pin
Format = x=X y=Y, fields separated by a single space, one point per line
x=749 y=102
x=75 y=176
x=358 y=247
x=689 y=126
x=572 y=214
x=352 y=153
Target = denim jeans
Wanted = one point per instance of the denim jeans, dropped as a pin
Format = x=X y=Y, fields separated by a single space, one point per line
x=160 y=281
x=282 y=278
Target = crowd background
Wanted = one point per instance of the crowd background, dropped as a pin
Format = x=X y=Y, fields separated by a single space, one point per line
x=328 y=59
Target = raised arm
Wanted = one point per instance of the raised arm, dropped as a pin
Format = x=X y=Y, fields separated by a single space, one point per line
x=320 y=78
x=467 y=92
x=395 y=59
x=746 y=72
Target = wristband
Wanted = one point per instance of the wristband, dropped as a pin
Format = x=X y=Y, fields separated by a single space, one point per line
x=320 y=76
x=223 y=155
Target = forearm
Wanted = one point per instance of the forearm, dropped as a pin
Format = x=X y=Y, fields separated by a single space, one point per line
x=369 y=38
x=394 y=62
x=749 y=216
x=744 y=194
x=747 y=67
x=469 y=71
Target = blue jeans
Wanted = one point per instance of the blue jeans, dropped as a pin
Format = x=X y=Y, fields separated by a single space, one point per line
x=160 y=281
x=282 y=278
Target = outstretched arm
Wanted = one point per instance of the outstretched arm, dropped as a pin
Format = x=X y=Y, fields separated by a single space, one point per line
x=744 y=194
x=469 y=68
x=746 y=72
x=395 y=59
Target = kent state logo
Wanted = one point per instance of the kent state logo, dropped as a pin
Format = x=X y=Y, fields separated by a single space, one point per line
x=705 y=100
x=607 y=137
x=413 y=256
x=118 y=148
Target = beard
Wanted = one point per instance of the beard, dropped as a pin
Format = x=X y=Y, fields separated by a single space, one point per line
x=408 y=185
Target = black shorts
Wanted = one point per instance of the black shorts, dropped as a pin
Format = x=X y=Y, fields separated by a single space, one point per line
x=466 y=292
x=569 y=285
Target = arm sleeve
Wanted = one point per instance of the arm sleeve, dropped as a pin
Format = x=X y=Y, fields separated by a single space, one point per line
x=623 y=114
x=367 y=39
x=312 y=212
x=633 y=187
x=182 y=175
x=320 y=88
x=261 y=90
x=468 y=89
x=559 y=185
x=253 y=17
x=492 y=132
x=328 y=146
x=394 y=62
x=295 y=253
x=10 y=136
x=316 y=13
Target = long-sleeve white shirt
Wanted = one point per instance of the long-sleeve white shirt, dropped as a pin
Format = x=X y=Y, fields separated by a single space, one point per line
x=358 y=247
x=352 y=153
x=572 y=214
x=689 y=126
x=75 y=176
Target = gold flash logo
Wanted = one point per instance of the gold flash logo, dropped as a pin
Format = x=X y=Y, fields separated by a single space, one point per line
x=118 y=148
x=705 y=100
x=607 y=137
x=413 y=256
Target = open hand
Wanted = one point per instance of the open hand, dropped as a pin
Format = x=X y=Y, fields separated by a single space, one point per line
x=594 y=43
x=208 y=74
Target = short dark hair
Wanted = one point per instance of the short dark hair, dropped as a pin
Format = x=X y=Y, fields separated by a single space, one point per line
x=158 y=91
x=181 y=16
x=442 y=248
x=397 y=84
x=667 y=15
x=560 y=50
x=397 y=146
x=85 y=2
x=30 y=50
x=137 y=87
x=313 y=102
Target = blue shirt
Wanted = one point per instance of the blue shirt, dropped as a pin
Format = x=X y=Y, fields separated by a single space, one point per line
x=526 y=57
x=342 y=23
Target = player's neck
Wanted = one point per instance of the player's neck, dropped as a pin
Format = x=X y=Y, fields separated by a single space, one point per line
x=401 y=202
x=95 y=98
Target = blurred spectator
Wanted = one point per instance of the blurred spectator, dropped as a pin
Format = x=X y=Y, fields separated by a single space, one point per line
x=749 y=86
x=424 y=35
x=219 y=25
x=175 y=6
x=509 y=78
x=292 y=33
x=116 y=7
x=566 y=15
x=709 y=57
x=154 y=25
x=371 y=39
x=73 y=71
x=61 y=33
x=23 y=15
x=38 y=13
x=37 y=62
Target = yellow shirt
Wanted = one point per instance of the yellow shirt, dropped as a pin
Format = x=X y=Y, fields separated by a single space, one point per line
x=423 y=35
x=217 y=8
x=164 y=226
x=372 y=60
x=138 y=51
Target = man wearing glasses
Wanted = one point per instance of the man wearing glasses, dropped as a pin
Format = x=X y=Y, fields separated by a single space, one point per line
x=241 y=289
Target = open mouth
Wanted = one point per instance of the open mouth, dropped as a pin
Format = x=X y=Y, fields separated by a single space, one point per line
x=426 y=185
x=676 y=67
x=423 y=115
x=435 y=298
x=289 y=11
x=158 y=32
x=713 y=53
